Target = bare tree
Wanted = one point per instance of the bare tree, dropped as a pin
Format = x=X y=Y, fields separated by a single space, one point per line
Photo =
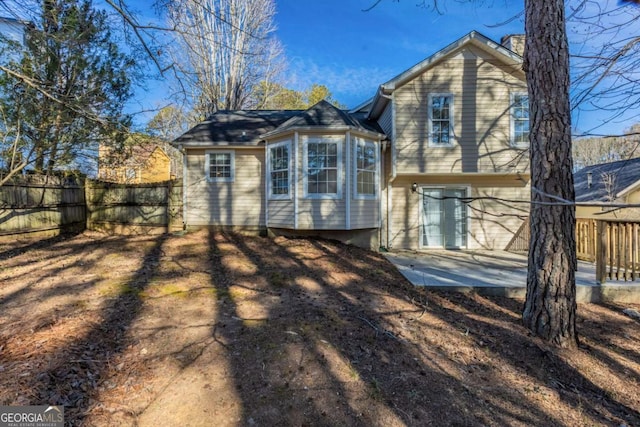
x=225 y=48
x=605 y=60
x=605 y=149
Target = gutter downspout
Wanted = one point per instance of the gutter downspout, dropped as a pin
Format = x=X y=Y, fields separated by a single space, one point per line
x=382 y=149
x=295 y=179
x=393 y=176
x=182 y=150
x=347 y=181
x=267 y=180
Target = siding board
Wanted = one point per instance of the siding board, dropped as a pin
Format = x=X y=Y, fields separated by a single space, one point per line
x=481 y=92
x=492 y=223
x=237 y=203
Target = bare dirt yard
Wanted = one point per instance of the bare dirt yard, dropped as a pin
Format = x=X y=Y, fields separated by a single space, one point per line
x=221 y=329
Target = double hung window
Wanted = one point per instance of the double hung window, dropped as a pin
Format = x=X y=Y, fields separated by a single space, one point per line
x=279 y=169
x=440 y=120
x=219 y=166
x=322 y=162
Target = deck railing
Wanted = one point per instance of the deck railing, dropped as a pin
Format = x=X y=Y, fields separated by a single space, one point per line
x=617 y=256
x=614 y=246
x=586 y=238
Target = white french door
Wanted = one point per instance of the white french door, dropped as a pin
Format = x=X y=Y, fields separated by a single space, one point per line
x=444 y=218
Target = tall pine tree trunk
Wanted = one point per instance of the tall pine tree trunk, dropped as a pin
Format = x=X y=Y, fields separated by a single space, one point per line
x=550 y=307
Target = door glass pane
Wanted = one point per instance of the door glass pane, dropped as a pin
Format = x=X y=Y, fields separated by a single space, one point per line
x=455 y=219
x=432 y=216
x=444 y=222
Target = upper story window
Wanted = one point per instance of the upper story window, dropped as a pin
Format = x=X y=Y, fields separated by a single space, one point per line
x=366 y=168
x=130 y=174
x=220 y=166
x=322 y=173
x=441 y=119
x=519 y=119
x=279 y=166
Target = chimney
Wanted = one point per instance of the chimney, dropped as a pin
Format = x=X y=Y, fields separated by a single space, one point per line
x=589 y=179
x=514 y=42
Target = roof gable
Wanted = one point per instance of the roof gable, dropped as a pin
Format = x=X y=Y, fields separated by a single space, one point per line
x=608 y=180
x=323 y=114
x=474 y=38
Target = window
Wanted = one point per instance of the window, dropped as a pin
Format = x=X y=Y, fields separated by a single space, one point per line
x=130 y=175
x=279 y=160
x=366 y=168
x=440 y=120
x=519 y=119
x=219 y=166
x=322 y=174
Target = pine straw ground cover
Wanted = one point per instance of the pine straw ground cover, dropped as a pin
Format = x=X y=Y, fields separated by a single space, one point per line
x=221 y=329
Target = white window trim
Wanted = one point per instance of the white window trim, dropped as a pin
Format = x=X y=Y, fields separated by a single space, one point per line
x=272 y=196
x=305 y=167
x=451 y=121
x=361 y=141
x=512 y=123
x=232 y=161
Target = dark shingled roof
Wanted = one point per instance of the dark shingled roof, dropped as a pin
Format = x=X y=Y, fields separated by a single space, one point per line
x=624 y=173
x=235 y=127
x=321 y=114
x=244 y=127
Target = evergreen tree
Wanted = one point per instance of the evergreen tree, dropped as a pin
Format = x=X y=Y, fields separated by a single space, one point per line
x=65 y=91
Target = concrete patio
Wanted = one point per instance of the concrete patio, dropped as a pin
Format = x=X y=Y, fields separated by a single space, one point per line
x=498 y=273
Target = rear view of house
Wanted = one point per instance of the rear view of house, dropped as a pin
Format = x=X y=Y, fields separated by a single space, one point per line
x=438 y=158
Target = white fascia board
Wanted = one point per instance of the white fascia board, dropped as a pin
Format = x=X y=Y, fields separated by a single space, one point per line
x=322 y=131
x=473 y=37
x=628 y=189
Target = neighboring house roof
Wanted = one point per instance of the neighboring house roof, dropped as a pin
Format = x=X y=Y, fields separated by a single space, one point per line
x=609 y=181
x=235 y=127
x=474 y=38
x=249 y=127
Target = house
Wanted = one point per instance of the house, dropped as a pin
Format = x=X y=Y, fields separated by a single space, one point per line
x=607 y=183
x=434 y=159
x=13 y=29
x=142 y=162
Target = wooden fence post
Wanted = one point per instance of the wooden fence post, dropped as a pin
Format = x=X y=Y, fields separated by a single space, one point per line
x=601 y=252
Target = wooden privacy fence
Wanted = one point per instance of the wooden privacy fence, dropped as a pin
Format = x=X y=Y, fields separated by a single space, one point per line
x=139 y=208
x=49 y=205
x=41 y=204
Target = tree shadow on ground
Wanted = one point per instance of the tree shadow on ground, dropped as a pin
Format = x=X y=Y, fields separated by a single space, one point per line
x=312 y=345
x=18 y=247
x=550 y=367
x=56 y=265
x=74 y=374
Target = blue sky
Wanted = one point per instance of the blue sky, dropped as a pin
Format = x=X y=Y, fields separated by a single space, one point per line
x=336 y=43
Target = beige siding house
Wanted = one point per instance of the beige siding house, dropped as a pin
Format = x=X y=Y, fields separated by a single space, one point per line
x=438 y=158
